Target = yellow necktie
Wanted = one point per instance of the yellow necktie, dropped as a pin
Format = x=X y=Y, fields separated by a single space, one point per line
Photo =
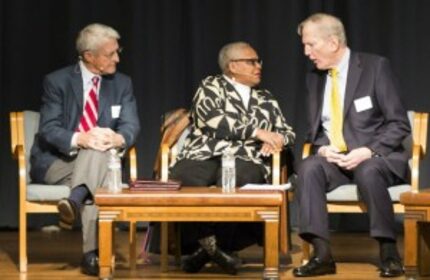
x=336 y=114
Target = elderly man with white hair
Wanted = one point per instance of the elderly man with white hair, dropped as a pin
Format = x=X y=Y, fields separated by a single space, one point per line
x=88 y=108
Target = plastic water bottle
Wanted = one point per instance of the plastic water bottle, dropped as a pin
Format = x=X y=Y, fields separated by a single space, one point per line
x=114 y=172
x=228 y=172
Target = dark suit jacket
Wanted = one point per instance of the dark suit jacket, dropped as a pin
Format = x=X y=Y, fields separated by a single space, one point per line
x=382 y=128
x=62 y=107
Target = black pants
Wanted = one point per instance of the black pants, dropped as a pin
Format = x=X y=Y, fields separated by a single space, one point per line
x=316 y=176
x=230 y=236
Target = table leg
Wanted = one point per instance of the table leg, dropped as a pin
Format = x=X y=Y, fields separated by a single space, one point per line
x=105 y=248
x=164 y=246
x=132 y=244
x=271 y=249
x=424 y=248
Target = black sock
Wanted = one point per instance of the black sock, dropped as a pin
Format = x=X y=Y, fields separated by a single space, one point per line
x=79 y=194
x=321 y=249
x=388 y=249
x=91 y=254
x=321 y=246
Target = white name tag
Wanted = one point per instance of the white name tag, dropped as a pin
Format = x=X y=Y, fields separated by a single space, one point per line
x=363 y=104
x=116 y=109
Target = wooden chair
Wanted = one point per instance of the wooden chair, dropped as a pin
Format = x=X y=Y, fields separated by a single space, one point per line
x=40 y=198
x=345 y=199
x=175 y=128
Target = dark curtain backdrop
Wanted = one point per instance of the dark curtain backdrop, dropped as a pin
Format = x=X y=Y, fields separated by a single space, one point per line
x=169 y=46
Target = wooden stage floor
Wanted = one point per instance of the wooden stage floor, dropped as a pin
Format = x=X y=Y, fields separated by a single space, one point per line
x=55 y=254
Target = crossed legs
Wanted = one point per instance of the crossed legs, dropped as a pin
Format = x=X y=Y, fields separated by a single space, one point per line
x=84 y=174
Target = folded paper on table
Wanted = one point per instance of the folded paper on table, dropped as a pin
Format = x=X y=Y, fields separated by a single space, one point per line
x=268 y=187
x=154 y=185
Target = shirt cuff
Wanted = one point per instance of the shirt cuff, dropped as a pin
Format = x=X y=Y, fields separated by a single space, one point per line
x=74 y=141
x=74 y=144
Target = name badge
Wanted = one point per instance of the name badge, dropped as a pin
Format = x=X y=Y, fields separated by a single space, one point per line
x=363 y=104
x=115 y=109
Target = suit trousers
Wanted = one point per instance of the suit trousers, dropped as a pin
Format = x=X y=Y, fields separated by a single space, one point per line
x=89 y=168
x=316 y=177
x=230 y=236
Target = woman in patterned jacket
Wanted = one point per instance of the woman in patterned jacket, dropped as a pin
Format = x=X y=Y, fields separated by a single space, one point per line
x=229 y=111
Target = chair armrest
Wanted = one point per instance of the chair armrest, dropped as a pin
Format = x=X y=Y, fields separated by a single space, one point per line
x=22 y=173
x=417 y=153
x=132 y=155
x=276 y=168
x=279 y=175
x=306 y=150
x=165 y=162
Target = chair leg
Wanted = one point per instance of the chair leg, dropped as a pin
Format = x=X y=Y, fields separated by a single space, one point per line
x=22 y=240
x=306 y=251
x=132 y=244
x=178 y=244
x=164 y=246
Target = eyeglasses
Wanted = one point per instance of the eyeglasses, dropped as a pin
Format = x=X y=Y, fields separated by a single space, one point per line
x=249 y=61
x=112 y=54
x=109 y=55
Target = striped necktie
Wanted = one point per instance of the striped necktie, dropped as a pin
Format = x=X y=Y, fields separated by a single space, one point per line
x=336 y=114
x=91 y=108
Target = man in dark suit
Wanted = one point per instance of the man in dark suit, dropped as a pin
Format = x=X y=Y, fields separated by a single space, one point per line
x=87 y=109
x=356 y=124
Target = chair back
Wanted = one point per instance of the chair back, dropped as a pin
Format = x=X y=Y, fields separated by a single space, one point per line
x=24 y=126
x=31 y=127
x=174 y=128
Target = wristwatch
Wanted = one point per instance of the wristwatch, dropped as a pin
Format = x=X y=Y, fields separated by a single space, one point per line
x=375 y=154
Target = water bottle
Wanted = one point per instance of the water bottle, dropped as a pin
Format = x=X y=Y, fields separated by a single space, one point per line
x=114 y=182
x=228 y=172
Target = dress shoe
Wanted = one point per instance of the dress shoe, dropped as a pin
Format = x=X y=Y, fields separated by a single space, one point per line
x=391 y=267
x=315 y=267
x=68 y=213
x=90 y=264
x=228 y=263
x=195 y=262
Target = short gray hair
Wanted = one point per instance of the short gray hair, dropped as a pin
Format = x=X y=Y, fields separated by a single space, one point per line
x=227 y=53
x=93 y=36
x=327 y=24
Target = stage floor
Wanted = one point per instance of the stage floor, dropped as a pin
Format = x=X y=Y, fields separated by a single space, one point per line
x=55 y=254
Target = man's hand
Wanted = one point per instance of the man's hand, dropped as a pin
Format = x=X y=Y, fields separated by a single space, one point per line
x=347 y=161
x=355 y=157
x=273 y=139
x=100 y=139
x=332 y=154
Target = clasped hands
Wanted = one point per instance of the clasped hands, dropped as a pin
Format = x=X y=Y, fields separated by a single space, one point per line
x=272 y=141
x=100 y=139
x=347 y=161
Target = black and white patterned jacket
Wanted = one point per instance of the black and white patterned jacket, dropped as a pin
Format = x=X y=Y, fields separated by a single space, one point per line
x=220 y=121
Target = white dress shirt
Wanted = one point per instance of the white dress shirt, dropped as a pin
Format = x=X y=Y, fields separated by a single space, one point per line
x=87 y=77
x=243 y=90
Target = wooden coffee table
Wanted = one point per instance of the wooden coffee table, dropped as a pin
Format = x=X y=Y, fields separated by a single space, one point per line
x=417 y=231
x=190 y=204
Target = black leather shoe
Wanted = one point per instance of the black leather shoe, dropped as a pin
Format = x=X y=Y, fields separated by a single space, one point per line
x=68 y=213
x=315 y=267
x=195 y=262
x=391 y=268
x=90 y=264
x=228 y=263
